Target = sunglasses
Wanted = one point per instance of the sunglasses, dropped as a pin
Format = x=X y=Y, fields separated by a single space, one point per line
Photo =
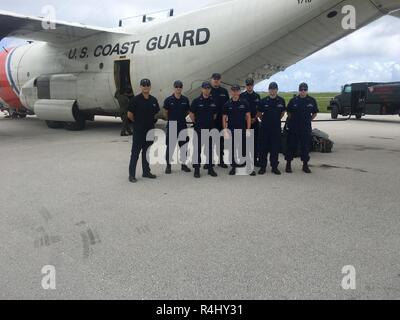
x=178 y=87
x=303 y=90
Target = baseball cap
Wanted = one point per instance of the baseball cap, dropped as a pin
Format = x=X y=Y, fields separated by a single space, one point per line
x=273 y=86
x=249 y=82
x=235 y=87
x=303 y=86
x=145 y=83
x=178 y=84
x=206 y=85
x=216 y=76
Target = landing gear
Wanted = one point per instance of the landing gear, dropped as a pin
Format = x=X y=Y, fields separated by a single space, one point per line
x=55 y=124
x=80 y=120
x=78 y=125
x=12 y=114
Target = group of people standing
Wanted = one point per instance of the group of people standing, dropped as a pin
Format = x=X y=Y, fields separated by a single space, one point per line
x=215 y=109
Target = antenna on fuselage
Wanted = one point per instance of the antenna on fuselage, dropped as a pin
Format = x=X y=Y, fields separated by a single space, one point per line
x=149 y=17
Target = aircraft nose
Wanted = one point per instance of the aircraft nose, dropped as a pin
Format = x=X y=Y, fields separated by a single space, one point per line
x=387 y=6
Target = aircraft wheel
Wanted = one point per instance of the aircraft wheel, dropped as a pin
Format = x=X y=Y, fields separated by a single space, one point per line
x=334 y=112
x=54 y=124
x=358 y=116
x=78 y=125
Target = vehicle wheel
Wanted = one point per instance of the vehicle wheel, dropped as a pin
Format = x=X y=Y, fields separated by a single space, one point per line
x=335 y=112
x=359 y=116
x=54 y=124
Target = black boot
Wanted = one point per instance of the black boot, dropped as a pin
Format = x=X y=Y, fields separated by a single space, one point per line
x=197 y=173
x=306 y=168
x=149 y=175
x=132 y=180
x=276 y=171
x=186 y=169
x=232 y=172
x=262 y=171
x=168 y=170
x=212 y=173
x=289 y=167
x=223 y=165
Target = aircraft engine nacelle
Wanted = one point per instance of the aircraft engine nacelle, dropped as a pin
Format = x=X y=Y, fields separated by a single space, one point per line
x=93 y=92
x=53 y=87
x=57 y=110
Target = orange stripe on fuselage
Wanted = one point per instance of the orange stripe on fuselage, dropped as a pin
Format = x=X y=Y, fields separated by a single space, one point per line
x=7 y=94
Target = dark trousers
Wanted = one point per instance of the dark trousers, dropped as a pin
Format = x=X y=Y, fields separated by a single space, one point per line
x=221 y=151
x=270 y=144
x=200 y=144
x=293 y=141
x=125 y=124
x=256 y=128
x=139 y=145
x=172 y=146
x=238 y=148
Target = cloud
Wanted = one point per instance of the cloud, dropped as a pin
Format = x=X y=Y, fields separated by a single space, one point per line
x=369 y=54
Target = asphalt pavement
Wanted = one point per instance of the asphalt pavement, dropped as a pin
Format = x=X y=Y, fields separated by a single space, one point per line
x=66 y=202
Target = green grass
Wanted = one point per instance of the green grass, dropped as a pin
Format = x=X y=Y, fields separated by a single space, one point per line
x=323 y=98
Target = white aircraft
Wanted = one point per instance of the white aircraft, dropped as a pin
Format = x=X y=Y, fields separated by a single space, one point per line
x=68 y=74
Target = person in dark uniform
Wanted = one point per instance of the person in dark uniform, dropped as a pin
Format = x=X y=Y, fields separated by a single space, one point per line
x=142 y=112
x=220 y=96
x=203 y=113
x=253 y=98
x=237 y=119
x=271 y=110
x=124 y=98
x=177 y=107
x=302 y=110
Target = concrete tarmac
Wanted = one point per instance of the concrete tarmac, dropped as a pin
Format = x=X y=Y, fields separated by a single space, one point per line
x=66 y=202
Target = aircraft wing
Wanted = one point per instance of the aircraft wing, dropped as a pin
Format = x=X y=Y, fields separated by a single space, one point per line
x=40 y=29
x=293 y=44
x=395 y=13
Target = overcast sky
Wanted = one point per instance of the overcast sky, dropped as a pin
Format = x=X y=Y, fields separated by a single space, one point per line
x=369 y=54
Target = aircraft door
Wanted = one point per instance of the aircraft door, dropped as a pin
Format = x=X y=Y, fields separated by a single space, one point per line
x=122 y=76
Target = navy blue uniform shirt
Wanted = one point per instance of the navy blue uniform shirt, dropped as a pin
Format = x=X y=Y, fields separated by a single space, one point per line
x=253 y=99
x=220 y=96
x=144 y=112
x=301 y=111
x=204 y=111
x=177 y=110
x=236 y=112
x=272 y=110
